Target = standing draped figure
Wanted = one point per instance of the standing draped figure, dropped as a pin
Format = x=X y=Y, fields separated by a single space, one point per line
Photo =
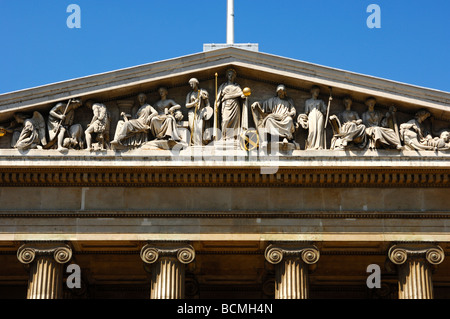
x=200 y=111
x=230 y=97
x=313 y=119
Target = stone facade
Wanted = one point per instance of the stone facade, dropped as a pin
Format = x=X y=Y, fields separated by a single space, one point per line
x=167 y=218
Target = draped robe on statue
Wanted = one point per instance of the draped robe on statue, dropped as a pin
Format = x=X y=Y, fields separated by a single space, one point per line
x=29 y=137
x=351 y=131
x=416 y=137
x=135 y=131
x=230 y=97
x=164 y=126
x=274 y=116
x=197 y=123
x=315 y=110
x=379 y=135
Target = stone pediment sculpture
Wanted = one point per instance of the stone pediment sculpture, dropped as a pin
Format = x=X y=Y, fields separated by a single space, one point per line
x=229 y=102
x=199 y=114
x=32 y=135
x=275 y=117
x=417 y=137
x=40 y=118
x=348 y=128
x=165 y=125
x=61 y=128
x=135 y=132
x=379 y=127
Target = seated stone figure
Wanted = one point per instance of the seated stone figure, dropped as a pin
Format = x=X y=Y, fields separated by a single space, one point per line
x=348 y=128
x=417 y=137
x=164 y=125
x=378 y=130
x=134 y=132
x=33 y=134
x=275 y=116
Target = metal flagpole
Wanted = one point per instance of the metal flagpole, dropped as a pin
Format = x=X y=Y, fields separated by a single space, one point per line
x=230 y=22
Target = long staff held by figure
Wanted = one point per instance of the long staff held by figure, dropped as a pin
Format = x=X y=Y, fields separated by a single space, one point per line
x=56 y=129
x=215 y=113
x=328 y=114
x=328 y=108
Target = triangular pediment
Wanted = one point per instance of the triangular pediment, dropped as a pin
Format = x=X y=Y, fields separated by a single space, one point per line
x=261 y=72
x=173 y=73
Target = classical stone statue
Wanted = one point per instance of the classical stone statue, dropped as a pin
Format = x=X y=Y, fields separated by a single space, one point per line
x=134 y=132
x=417 y=137
x=313 y=120
x=33 y=134
x=348 y=128
x=200 y=112
x=442 y=143
x=164 y=125
x=274 y=116
x=380 y=132
x=99 y=125
x=61 y=128
x=230 y=98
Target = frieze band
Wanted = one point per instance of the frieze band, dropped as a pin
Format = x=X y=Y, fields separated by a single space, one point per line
x=162 y=124
x=225 y=177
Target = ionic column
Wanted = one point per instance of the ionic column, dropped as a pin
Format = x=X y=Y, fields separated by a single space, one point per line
x=415 y=265
x=46 y=262
x=167 y=269
x=291 y=271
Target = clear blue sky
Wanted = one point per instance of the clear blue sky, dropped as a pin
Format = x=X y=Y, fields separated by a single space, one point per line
x=412 y=46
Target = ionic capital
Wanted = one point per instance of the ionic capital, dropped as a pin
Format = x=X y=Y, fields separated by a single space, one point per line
x=433 y=254
x=309 y=254
x=150 y=253
x=61 y=253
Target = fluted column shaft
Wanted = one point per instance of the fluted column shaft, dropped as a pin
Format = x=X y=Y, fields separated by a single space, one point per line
x=167 y=279
x=168 y=269
x=291 y=272
x=291 y=280
x=46 y=269
x=415 y=265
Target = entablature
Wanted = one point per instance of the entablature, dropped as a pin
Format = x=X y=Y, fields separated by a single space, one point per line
x=142 y=168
